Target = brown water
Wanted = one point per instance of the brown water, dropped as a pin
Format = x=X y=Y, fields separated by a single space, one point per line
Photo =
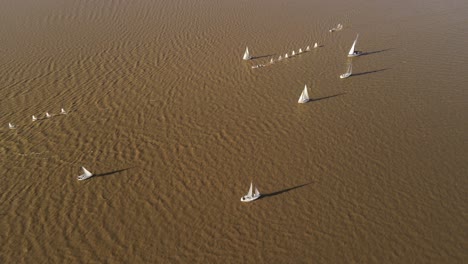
x=176 y=125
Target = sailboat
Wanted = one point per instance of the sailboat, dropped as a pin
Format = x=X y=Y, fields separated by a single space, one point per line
x=11 y=126
x=293 y=53
x=246 y=54
x=34 y=118
x=86 y=174
x=300 y=51
x=352 y=52
x=63 y=112
x=348 y=72
x=272 y=61
x=315 y=45
x=48 y=115
x=286 y=56
x=250 y=196
x=308 y=48
x=304 y=98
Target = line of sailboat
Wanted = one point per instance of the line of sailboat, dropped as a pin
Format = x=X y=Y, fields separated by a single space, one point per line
x=34 y=118
x=247 y=56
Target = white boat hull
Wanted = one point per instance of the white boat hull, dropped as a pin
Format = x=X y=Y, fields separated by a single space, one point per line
x=355 y=54
x=84 y=177
x=345 y=75
x=247 y=198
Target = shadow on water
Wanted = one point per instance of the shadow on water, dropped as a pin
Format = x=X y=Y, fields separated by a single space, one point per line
x=369 y=72
x=110 y=173
x=261 y=56
x=373 y=52
x=266 y=195
x=326 y=97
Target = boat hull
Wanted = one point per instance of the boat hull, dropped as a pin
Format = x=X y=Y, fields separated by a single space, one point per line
x=345 y=75
x=247 y=199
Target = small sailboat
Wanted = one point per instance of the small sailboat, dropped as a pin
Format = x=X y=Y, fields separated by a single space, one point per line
x=48 y=115
x=308 y=48
x=304 y=98
x=280 y=58
x=352 y=52
x=272 y=61
x=34 y=118
x=286 y=56
x=86 y=174
x=246 y=54
x=300 y=51
x=11 y=126
x=251 y=195
x=293 y=53
x=339 y=27
x=315 y=45
x=348 y=72
x=63 y=112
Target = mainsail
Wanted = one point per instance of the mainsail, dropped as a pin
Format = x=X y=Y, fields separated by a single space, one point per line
x=246 y=54
x=351 y=51
x=304 y=96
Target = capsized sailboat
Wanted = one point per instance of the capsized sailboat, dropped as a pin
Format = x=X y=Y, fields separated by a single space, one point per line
x=251 y=195
x=86 y=174
x=246 y=54
x=348 y=72
x=352 y=52
x=304 y=98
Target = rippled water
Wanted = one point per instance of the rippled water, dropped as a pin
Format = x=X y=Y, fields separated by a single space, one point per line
x=176 y=126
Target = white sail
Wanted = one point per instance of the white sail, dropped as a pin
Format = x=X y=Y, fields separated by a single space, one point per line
x=348 y=72
x=300 y=50
x=286 y=56
x=351 y=52
x=250 y=190
x=271 y=61
x=308 y=48
x=293 y=53
x=34 y=118
x=11 y=126
x=47 y=115
x=315 y=45
x=304 y=98
x=280 y=58
x=246 y=54
x=86 y=174
x=63 y=112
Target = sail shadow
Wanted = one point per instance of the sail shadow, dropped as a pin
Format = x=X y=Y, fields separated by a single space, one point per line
x=326 y=97
x=110 y=173
x=261 y=56
x=265 y=195
x=373 y=52
x=368 y=72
